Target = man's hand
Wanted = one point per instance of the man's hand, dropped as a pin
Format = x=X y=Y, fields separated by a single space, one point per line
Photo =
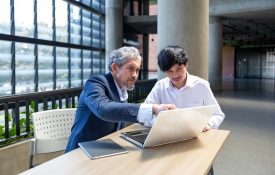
x=157 y=108
x=206 y=128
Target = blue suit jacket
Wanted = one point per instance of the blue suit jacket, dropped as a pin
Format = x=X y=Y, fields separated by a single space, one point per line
x=99 y=111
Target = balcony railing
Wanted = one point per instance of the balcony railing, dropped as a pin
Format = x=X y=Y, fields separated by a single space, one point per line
x=16 y=110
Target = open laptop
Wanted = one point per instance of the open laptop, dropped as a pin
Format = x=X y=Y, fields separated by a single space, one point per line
x=172 y=126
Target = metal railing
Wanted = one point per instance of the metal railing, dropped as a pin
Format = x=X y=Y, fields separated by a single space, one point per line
x=17 y=109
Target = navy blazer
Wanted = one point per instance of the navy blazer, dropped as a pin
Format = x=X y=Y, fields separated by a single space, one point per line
x=99 y=111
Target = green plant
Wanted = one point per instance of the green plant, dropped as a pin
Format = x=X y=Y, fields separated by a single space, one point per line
x=2 y=128
x=12 y=128
x=1 y=131
x=23 y=127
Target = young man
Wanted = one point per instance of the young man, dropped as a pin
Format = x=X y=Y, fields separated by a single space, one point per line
x=180 y=88
x=102 y=103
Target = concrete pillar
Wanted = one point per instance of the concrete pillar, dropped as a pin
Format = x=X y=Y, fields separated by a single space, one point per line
x=114 y=27
x=185 y=23
x=215 y=53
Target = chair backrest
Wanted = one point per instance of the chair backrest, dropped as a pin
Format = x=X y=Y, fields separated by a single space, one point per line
x=52 y=129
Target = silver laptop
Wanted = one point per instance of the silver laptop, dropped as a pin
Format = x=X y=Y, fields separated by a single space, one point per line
x=172 y=126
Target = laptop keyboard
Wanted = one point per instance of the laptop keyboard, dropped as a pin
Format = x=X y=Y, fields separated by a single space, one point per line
x=140 y=138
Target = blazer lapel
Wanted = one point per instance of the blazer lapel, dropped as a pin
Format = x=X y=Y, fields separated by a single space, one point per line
x=112 y=85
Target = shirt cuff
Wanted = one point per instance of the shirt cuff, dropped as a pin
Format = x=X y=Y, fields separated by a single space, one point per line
x=145 y=115
x=212 y=123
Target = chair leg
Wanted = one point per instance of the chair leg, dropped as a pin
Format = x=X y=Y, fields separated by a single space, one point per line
x=31 y=152
x=30 y=161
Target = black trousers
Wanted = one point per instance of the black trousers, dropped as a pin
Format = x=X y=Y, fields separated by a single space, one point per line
x=211 y=171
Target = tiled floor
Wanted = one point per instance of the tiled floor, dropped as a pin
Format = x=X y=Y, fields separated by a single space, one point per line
x=250 y=116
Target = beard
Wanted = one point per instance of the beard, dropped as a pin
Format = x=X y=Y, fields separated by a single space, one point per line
x=130 y=88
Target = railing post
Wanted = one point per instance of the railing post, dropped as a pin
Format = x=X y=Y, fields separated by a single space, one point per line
x=7 y=134
x=17 y=119
x=27 y=116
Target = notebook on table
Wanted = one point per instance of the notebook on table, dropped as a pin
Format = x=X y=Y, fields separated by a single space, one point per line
x=101 y=148
x=172 y=126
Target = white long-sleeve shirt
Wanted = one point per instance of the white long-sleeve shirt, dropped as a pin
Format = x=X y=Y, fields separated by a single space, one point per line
x=145 y=113
x=196 y=92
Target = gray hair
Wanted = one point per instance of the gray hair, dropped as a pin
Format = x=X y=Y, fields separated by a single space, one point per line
x=122 y=55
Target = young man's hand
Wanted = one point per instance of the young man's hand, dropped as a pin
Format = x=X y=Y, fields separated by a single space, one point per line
x=157 y=108
x=206 y=128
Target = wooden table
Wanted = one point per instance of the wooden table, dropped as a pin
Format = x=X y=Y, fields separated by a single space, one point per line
x=187 y=157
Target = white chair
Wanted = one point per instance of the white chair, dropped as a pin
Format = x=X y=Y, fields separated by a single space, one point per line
x=51 y=131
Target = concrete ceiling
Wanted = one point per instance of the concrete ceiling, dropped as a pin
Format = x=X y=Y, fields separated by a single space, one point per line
x=245 y=22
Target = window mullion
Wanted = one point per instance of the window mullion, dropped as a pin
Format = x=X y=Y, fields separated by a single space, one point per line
x=35 y=47
x=82 y=43
x=54 y=48
x=69 y=51
x=92 y=26
x=13 y=77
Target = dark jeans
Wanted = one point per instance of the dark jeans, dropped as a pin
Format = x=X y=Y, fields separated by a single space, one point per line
x=211 y=171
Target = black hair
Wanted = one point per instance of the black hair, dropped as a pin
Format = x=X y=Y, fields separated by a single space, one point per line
x=170 y=56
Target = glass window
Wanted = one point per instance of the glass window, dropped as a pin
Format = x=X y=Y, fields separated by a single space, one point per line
x=255 y=63
x=96 y=31
x=62 y=70
x=44 y=19
x=102 y=34
x=86 y=27
x=87 y=2
x=61 y=21
x=96 y=62
x=5 y=55
x=23 y=17
x=97 y=4
x=102 y=63
x=75 y=25
x=24 y=63
x=5 y=16
x=87 y=65
x=45 y=68
x=36 y=65
x=5 y=67
x=76 y=67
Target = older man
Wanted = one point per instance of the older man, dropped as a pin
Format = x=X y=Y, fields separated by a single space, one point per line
x=102 y=104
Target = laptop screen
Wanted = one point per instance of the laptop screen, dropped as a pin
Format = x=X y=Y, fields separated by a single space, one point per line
x=172 y=126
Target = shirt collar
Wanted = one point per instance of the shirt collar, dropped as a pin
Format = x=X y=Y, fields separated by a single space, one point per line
x=189 y=81
x=123 y=94
x=187 y=84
